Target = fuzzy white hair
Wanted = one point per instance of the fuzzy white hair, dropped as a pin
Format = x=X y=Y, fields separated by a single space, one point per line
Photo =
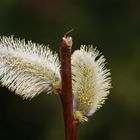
x=91 y=81
x=27 y=68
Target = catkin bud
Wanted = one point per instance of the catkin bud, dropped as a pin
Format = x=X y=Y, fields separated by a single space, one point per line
x=28 y=68
x=91 y=82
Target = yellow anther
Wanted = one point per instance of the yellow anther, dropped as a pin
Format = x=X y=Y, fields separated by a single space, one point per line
x=89 y=103
x=78 y=115
x=56 y=85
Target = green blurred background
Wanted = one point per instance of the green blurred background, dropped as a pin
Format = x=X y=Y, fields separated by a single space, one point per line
x=111 y=25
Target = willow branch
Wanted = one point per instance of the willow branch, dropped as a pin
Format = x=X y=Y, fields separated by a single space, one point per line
x=66 y=95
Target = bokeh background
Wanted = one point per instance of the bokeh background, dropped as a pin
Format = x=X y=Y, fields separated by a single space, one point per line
x=111 y=25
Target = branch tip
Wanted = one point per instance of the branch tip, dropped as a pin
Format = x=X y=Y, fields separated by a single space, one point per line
x=68 y=41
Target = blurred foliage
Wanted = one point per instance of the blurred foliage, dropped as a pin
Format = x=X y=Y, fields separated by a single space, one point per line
x=111 y=25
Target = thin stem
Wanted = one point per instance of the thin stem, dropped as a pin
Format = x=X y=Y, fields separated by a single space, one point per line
x=66 y=95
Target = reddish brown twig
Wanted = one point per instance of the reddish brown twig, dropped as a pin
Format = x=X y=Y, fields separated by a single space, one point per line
x=66 y=95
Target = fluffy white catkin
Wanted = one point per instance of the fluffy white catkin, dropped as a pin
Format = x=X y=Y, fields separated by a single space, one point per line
x=27 y=68
x=91 y=81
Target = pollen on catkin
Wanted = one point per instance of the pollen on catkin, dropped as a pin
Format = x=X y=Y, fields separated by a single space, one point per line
x=91 y=81
x=28 y=68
